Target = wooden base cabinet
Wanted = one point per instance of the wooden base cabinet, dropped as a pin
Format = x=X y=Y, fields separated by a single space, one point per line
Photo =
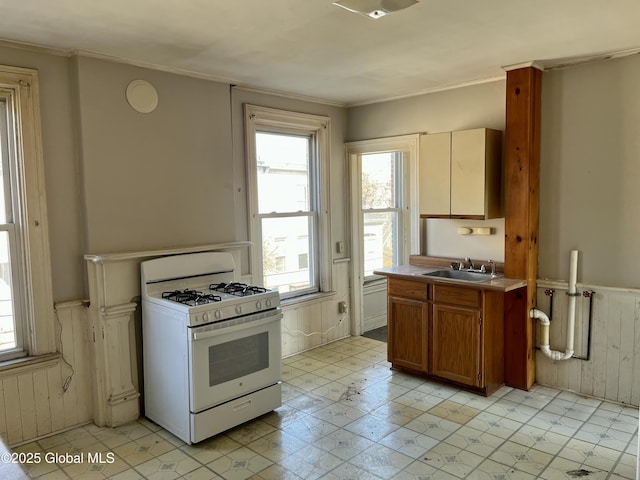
x=407 y=342
x=455 y=336
x=447 y=332
x=409 y=322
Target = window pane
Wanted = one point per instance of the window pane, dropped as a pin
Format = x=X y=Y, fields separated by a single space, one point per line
x=7 y=325
x=380 y=242
x=285 y=241
x=283 y=172
x=5 y=189
x=379 y=180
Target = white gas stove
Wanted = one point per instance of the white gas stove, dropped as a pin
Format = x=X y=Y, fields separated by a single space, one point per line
x=211 y=345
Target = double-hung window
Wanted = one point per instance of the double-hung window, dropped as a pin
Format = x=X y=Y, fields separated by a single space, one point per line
x=287 y=164
x=383 y=203
x=383 y=199
x=26 y=307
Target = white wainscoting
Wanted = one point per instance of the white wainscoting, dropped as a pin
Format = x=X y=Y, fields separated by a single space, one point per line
x=307 y=325
x=613 y=369
x=33 y=399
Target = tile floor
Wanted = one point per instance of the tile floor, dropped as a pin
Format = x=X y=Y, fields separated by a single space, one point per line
x=346 y=415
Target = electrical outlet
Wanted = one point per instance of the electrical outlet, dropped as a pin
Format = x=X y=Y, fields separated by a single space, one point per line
x=342 y=307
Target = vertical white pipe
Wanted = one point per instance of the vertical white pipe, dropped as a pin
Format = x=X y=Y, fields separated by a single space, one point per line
x=571 y=313
x=571 y=317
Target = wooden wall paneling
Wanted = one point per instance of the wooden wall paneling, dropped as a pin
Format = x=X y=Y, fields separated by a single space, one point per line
x=12 y=398
x=614 y=363
x=620 y=334
x=626 y=377
x=522 y=178
x=42 y=405
x=599 y=350
x=69 y=398
x=3 y=421
x=635 y=391
x=80 y=357
x=575 y=369
x=55 y=398
x=27 y=405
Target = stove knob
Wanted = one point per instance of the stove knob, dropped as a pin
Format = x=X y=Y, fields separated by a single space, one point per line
x=206 y=317
x=238 y=309
x=217 y=314
x=258 y=305
x=268 y=302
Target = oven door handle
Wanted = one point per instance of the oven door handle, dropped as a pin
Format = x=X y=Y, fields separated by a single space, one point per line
x=200 y=335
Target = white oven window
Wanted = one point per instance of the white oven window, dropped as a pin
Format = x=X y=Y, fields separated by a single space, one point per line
x=238 y=358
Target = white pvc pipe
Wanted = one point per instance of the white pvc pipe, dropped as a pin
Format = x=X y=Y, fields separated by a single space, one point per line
x=571 y=311
x=571 y=317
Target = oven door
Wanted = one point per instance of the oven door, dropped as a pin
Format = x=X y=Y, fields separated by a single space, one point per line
x=232 y=358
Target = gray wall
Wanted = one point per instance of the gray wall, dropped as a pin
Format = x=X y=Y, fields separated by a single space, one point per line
x=118 y=180
x=162 y=179
x=59 y=136
x=590 y=172
x=458 y=109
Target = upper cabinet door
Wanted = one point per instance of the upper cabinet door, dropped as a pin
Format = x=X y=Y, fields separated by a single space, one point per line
x=435 y=174
x=460 y=174
x=468 y=172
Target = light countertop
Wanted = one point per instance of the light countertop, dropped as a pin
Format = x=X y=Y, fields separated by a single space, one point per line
x=414 y=272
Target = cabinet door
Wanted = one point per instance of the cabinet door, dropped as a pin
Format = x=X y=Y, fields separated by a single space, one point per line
x=407 y=333
x=468 y=172
x=434 y=170
x=455 y=344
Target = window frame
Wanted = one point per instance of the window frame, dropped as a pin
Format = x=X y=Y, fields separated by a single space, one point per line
x=317 y=127
x=400 y=201
x=408 y=182
x=32 y=292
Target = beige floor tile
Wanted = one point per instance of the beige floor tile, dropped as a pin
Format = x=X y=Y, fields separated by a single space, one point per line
x=454 y=412
x=239 y=464
x=347 y=415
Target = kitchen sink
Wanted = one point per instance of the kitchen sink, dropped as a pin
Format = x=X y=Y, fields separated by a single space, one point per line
x=460 y=275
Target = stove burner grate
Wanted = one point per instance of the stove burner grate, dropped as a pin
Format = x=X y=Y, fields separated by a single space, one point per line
x=191 y=297
x=236 y=288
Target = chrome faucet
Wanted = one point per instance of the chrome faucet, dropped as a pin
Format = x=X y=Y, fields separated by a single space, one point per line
x=470 y=264
x=492 y=264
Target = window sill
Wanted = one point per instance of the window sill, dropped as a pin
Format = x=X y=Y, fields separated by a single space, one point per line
x=25 y=364
x=304 y=300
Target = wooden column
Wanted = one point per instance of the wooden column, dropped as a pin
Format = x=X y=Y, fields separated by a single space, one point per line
x=521 y=182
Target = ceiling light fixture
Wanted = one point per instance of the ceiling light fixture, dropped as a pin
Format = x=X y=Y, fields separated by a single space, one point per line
x=374 y=8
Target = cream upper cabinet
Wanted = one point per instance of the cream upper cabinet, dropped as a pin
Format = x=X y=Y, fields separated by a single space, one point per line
x=460 y=174
x=435 y=174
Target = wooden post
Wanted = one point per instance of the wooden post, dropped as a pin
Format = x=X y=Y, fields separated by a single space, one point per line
x=521 y=182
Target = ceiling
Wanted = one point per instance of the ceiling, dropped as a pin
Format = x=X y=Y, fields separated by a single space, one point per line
x=315 y=49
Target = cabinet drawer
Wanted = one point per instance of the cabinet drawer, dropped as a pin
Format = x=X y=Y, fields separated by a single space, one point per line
x=407 y=289
x=467 y=297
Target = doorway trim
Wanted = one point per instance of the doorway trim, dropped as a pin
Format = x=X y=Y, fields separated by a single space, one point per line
x=411 y=238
